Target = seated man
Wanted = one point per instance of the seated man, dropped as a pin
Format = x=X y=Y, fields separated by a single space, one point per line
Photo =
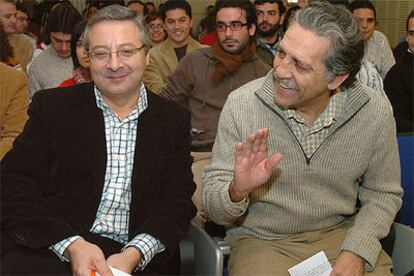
x=399 y=85
x=332 y=131
x=54 y=65
x=377 y=47
x=14 y=101
x=177 y=17
x=204 y=78
x=101 y=175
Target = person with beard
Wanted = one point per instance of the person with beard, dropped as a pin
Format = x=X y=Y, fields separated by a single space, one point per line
x=204 y=78
x=269 y=14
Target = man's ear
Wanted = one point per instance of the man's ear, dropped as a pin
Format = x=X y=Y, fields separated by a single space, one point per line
x=337 y=80
x=252 y=29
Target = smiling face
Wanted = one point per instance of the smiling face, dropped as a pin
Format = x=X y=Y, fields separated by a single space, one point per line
x=233 y=42
x=116 y=78
x=156 y=30
x=367 y=22
x=300 y=75
x=178 y=25
x=8 y=17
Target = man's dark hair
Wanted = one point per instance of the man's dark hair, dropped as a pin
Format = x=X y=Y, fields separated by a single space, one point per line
x=76 y=34
x=149 y=4
x=344 y=3
x=363 y=4
x=22 y=8
x=141 y=3
x=63 y=18
x=411 y=15
x=175 y=4
x=244 y=5
x=279 y=3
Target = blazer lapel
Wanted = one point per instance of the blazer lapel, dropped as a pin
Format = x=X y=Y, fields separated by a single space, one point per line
x=92 y=135
x=146 y=150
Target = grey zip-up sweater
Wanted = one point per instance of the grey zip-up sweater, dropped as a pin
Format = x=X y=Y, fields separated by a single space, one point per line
x=307 y=194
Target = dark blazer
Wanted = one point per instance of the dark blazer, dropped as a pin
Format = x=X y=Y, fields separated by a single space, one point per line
x=52 y=179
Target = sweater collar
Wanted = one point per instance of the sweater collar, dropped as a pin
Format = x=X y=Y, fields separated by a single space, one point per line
x=355 y=99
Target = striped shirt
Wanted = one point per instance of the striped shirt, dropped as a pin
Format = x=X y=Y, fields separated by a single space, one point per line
x=112 y=217
x=379 y=53
x=311 y=136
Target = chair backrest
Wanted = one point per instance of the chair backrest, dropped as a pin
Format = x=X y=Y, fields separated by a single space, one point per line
x=406 y=151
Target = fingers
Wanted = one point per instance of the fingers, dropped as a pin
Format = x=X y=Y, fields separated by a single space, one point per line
x=102 y=267
x=255 y=143
x=273 y=161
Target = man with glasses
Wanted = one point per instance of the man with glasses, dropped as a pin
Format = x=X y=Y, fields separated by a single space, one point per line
x=54 y=65
x=177 y=18
x=101 y=175
x=22 y=49
x=204 y=79
x=399 y=85
x=291 y=150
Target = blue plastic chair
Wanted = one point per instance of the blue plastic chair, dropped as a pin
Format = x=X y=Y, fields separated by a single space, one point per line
x=406 y=150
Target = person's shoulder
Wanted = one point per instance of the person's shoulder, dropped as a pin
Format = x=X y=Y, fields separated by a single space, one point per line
x=198 y=53
x=167 y=109
x=65 y=95
x=11 y=78
x=247 y=91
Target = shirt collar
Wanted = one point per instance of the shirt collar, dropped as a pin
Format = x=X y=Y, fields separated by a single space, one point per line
x=141 y=105
x=328 y=116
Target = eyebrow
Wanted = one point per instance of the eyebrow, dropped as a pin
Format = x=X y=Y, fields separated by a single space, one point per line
x=296 y=60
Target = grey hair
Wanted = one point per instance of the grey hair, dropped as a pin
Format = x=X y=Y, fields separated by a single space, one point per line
x=116 y=13
x=336 y=23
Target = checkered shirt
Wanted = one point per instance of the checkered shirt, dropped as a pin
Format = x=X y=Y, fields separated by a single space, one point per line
x=311 y=136
x=112 y=217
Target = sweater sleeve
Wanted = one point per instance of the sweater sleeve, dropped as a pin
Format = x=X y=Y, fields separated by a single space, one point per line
x=181 y=83
x=218 y=176
x=380 y=196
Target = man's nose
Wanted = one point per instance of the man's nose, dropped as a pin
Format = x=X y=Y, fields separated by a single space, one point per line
x=65 y=46
x=114 y=62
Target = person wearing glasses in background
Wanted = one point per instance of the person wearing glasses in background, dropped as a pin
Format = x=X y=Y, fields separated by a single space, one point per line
x=204 y=78
x=54 y=64
x=101 y=175
x=156 y=28
x=399 y=85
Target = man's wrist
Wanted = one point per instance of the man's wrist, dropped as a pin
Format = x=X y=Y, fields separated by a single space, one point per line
x=133 y=256
x=235 y=195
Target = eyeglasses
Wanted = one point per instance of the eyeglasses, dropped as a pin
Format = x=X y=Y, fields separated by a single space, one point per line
x=234 y=26
x=411 y=33
x=21 y=19
x=153 y=26
x=103 y=56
